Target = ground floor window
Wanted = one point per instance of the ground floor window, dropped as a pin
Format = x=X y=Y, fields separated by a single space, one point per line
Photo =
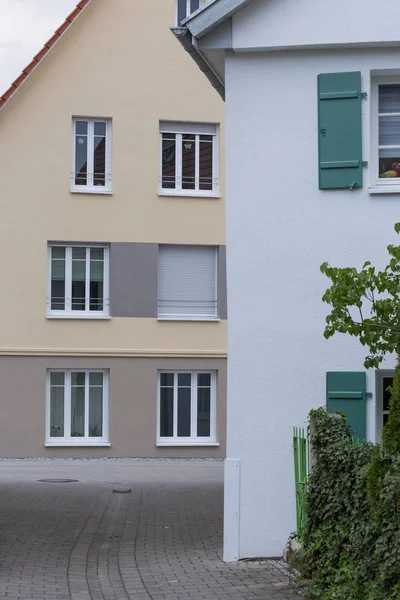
x=77 y=408
x=186 y=407
x=384 y=380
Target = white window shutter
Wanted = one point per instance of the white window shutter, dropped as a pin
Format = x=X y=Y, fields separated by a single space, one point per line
x=187 y=282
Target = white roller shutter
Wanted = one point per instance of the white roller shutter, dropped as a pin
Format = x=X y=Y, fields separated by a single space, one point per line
x=187 y=282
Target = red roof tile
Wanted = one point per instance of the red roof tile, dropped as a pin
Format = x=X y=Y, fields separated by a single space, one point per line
x=43 y=52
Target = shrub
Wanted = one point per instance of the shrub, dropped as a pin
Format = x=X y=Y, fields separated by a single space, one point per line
x=351 y=545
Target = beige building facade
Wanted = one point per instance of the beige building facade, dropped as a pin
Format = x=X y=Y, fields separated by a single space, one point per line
x=114 y=319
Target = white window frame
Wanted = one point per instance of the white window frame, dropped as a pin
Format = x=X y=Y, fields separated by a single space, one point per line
x=193 y=440
x=197 y=129
x=202 y=3
x=68 y=313
x=73 y=441
x=89 y=188
x=176 y=317
x=380 y=185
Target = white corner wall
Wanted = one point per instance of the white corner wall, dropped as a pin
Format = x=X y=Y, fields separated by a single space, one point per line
x=280 y=228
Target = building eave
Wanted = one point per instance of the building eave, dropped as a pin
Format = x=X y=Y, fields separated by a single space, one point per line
x=185 y=37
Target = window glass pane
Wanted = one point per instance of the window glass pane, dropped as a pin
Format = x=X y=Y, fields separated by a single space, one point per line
x=77 y=405
x=389 y=98
x=57 y=404
x=204 y=379
x=79 y=253
x=96 y=379
x=167 y=379
x=194 y=5
x=203 y=404
x=389 y=163
x=203 y=412
x=389 y=131
x=184 y=379
x=188 y=162
x=387 y=382
x=58 y=278
x=181 y=11
x=96 y=409
x=78 y=378
x=166 y=412
x=184 y=395
x=168 y=161
x=385 y=419
x=82 y=127
x=100 y=129
x=96 y=279
x=99 y=157
x=206 y=162
x=78 y=278
x=81 y=148
x=57 y=378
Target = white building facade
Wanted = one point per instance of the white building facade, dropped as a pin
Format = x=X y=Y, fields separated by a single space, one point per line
x=300 y=191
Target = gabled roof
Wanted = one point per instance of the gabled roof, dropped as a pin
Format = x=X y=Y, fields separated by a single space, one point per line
x=37 y=59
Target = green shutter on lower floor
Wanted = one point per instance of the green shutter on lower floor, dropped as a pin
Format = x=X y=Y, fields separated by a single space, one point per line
x=346 y=392
x=339 y=130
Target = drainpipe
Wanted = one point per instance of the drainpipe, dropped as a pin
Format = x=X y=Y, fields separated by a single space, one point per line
x=186 y=39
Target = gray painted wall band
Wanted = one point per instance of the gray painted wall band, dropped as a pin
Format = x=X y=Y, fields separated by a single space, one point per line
x=134 y=280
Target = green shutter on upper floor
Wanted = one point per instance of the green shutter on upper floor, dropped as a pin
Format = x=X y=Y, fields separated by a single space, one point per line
x=346 y=392
x=339 y=130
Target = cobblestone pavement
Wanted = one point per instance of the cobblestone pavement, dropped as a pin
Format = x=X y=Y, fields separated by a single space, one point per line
x=84 y=541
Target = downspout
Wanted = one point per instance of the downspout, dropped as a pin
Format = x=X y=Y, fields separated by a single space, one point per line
x=185 y=37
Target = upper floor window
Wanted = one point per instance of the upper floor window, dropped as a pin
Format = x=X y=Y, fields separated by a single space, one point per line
x=78 y=281
x=189 y=159
x=91 y=156
x=187 y=282
x=184 y=8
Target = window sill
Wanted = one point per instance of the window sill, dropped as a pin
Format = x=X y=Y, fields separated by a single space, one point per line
x=384 y=189
x=189 y=318
x=192 y=443
x=79 y=317
x=77 y=445
x=188 y=194
x=93 y=191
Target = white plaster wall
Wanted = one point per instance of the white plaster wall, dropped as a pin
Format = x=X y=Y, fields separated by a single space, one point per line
x=280 y=228
x=279 y=23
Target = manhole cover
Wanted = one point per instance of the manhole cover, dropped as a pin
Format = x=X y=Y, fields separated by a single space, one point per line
x=58 y=480
x=121 y=491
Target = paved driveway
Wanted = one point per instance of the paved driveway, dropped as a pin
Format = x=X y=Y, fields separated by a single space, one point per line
x=84 y=541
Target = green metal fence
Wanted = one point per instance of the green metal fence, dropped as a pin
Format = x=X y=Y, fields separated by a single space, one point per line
x=301 y=454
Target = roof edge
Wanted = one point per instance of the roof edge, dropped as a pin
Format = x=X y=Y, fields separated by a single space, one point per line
x=184 y=36
x=48 y=46
x=211 y=15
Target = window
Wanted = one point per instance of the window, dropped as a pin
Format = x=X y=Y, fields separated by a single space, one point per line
x=187 y=408
x=187 y=282
x=385 y=135
x=189 y=159
x=184 y=8
x=91 y=156
x=78 y=281
x=77 y=408
x=384 y=380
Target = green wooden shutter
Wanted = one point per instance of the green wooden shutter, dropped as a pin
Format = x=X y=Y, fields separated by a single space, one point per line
x=339 y=122
x=346 y=392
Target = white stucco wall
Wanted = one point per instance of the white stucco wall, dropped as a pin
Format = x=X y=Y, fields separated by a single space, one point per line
x=280 y=228
x=280 y=23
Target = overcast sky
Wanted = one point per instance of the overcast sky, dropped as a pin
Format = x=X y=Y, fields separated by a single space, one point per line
x=25 y=25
